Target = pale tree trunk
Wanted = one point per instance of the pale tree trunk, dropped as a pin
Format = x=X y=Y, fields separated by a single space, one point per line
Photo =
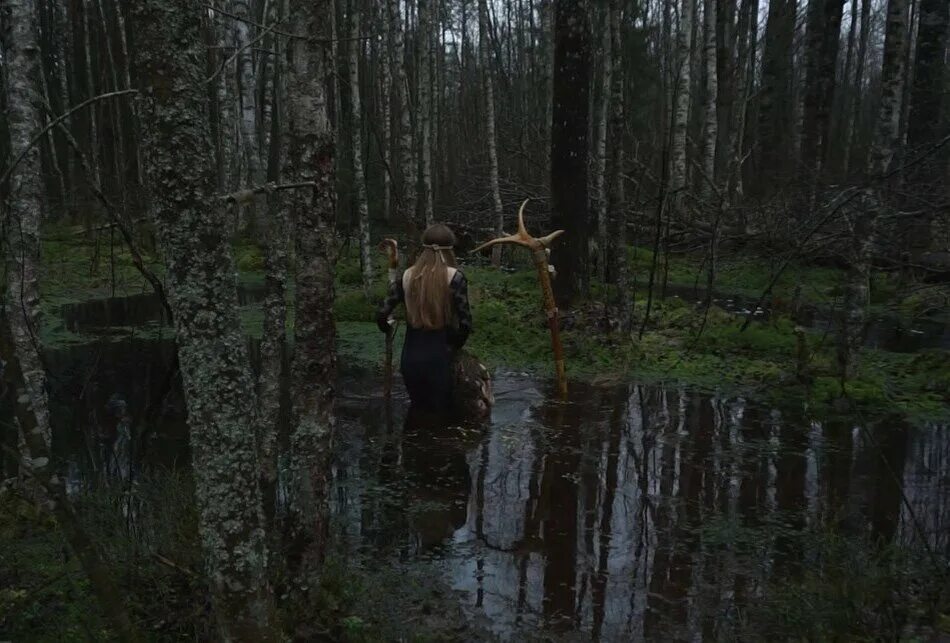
x=744 y=82
x=356 y=142
x=407 y=158
x=308 y=137
x=212 y=350
x=849 y=156
x=909 y=51
x=681 y=101
x=386 y=82
x=852 y=317
x=22 y=70
x=711 y=121
x=618 y=220
x=424 y=108
x=488 y=85
x=247 y=90
x=599 y=183
x=547 y=80
x=90 y=92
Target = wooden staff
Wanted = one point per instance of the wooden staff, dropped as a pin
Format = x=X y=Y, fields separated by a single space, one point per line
x=539 y=248
x=391 y=248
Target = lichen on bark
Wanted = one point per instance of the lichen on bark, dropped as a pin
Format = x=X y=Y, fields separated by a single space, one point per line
x=309 y=145
x=191 y=225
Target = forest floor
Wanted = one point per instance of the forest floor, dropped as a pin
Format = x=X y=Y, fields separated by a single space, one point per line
x=680 y=342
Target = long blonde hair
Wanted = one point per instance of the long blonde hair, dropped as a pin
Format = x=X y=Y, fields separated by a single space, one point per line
x=428 y=299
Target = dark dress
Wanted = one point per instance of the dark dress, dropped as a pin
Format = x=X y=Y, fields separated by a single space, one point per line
x=428 y=355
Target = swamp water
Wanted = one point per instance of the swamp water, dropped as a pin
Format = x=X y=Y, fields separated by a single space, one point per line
x=628 y=511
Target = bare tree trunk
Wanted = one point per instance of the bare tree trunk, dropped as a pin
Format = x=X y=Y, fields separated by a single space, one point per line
x=356 y=141
x=407 y=158
x=274 y=331
x=386 y=93
x=711 y=122
x=308 y=136
x=883 y=149
x=424 y=108
x=569 y=147
x=849 y=157
x=211 y=347
x=247 y=90
x=681 y=98
x=618 y=219
x=930 y=76
x=776 y=100
x=21 y=70
x=744 y=83
x=488 y=84
x=599 y=180
x=824 y=34
x=547 y=79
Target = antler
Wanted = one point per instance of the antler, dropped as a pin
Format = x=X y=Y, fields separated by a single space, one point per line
x=522 y=238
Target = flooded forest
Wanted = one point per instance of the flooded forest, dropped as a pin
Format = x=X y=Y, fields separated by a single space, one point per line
x=475 y=320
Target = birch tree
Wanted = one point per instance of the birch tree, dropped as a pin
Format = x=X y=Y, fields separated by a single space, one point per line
x=309 y=145
x=681 y=102
x=407 y=158
x=203 y=295
x=711 y=121
x=424 y=108
x=21 y=71
x=386 y=93
x=488 y=87
x=247 y=90
x=618 y=220
x=602 y=104
x=356 y=142
x=852 y=317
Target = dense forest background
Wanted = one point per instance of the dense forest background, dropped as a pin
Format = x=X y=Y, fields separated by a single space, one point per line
x=170 y=131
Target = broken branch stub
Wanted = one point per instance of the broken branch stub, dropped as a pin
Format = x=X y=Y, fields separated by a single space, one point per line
x=539 y=247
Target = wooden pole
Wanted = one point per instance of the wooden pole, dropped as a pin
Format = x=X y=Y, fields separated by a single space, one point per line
x=539 y=254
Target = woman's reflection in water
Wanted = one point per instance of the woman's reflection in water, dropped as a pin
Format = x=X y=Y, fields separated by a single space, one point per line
x=430 y=459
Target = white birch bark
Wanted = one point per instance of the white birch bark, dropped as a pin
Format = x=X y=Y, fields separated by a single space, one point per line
x=424 y=108
x=386 y=93
x=617 y=207
x=246 y=76
x=711 y=121
x=600 y=119
x=681 y=102
x=488 y=85
x=24 y=207
x=407 y=158
x=853 y=315
x=356 y=142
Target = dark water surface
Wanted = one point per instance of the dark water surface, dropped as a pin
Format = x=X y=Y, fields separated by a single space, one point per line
x=627 y=511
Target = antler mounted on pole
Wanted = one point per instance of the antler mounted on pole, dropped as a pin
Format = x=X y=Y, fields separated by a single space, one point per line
x=391 y=248
x=540 y=247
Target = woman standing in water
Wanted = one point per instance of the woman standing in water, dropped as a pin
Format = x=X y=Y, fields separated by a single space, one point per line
x=438 y=318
